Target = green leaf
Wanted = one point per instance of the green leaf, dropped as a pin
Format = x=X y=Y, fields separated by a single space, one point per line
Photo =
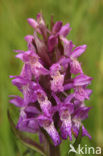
x=25 y=140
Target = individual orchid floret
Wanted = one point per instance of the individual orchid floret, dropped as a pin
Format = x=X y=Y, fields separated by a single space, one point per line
x=42 y=98
x=79 y=84
x=31 y=58
x=66 y=125
x=80 y=115
x=57 y=78
x=74 y=63
x=73 y=55
x=27 y=121
x=27 y=88
x=48 y=125
x=82 y=93
x=65 y=110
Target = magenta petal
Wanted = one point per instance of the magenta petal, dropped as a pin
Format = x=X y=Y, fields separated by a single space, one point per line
x=65 y=30
x=69 y=98
x=68 y=46
x=56 y=99
x=53 y=134
x=44 y=71
x=57 y=78
x=57 y=26
x=75 y=67
x=20 y=56
x=29 y=94
x=81 y=93
x=81 y=80
x=68 y=86
x=52 y=42
x=28 y=56
x=32 y=109
x=28 y=125
x=29 y=38
x=78 y=51
x=85 y=132
x=19 y=82
x=17 y=101
x=81 y=113
x=70 y=107
x=32 y=22
x=89 y=91
x=66 y=129
x=26 y=72
x=57 y=84
x=48 y=125
x=45 y=104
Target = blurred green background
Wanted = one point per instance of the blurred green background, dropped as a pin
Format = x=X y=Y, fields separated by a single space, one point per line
x=86 y=19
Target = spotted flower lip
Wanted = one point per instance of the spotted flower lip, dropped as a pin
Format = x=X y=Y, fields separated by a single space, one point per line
x=50 y=71
x=48 y=124
x=65 y=110
x=57 y=78
x=42 y=99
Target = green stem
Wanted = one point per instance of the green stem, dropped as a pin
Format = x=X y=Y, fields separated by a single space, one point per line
x=54 y=150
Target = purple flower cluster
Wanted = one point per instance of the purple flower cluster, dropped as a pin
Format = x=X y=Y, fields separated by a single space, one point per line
x=52 y=82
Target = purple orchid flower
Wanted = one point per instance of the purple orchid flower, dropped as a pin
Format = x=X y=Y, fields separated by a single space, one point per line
x=46 y=80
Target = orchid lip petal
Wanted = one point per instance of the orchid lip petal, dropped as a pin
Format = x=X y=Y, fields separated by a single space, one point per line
x=48 y=125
